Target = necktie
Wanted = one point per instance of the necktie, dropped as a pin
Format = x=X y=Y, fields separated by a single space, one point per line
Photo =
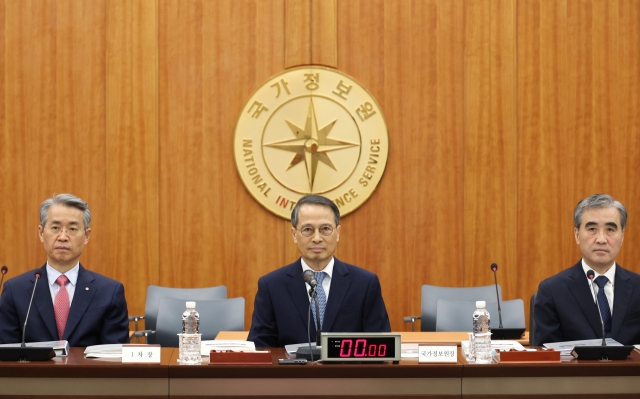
x=322 y=298
x=61 y=305
x=601 y=281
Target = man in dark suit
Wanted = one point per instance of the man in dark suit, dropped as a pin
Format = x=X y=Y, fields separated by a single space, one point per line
x=70 y=302
x=565 y=308
x=352 y=295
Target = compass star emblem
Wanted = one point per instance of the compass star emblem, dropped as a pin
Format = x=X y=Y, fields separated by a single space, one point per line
x=311 y=144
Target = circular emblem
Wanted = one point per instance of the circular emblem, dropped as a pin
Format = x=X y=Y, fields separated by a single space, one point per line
x=311 y=130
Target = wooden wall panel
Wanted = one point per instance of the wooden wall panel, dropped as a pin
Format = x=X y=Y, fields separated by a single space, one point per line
x=542 y=158
x=490 y=143
x=501 y=115
x=573 y=90
x=298 y=25
x=132 y=147
x=54 y=120
x=324 y=32
x=409 y=56
x=213 y=55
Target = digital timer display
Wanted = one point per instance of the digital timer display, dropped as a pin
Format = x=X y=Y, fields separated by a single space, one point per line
x=360 y=347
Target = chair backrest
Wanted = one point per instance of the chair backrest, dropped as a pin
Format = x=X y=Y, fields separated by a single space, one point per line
x=432 y=293
x=457 y=316
x=532 y=321
x=155 y=294
x=215 y=316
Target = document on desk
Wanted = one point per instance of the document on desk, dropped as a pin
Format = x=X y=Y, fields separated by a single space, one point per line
x=104 y=351
x=566 y=347
x=496 y=344
x=227 y=345
x=61 y=348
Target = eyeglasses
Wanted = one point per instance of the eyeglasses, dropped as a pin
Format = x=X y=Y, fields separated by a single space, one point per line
x=308 y=231
x=70 y=231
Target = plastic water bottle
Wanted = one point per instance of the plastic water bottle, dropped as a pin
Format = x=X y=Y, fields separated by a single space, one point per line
x=482 y=333
x=190 y=339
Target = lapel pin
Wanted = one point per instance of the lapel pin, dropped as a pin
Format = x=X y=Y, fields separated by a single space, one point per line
x=86 y=288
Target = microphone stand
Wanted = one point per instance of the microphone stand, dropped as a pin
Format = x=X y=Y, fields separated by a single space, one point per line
x=601 y=352
x=24 y=353
x=497 y=297
x=312 y=352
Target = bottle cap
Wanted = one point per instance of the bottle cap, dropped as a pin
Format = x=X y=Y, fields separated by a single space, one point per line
x=480 y=304
x=191 y=304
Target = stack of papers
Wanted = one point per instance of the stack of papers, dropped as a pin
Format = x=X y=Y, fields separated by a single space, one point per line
x=495 y=346
x=566 y=347
x=229 y=345
x=104 y=351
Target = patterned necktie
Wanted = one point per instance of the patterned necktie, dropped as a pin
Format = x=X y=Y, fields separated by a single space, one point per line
x=604 y=305
x=61 y=305
x=322 y=298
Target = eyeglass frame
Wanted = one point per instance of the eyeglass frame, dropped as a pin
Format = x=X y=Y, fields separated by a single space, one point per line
x=317 y=229
x=66 y=230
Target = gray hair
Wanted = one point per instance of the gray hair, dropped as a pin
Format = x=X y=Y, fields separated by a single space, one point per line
x=66 y=200
x=599 y=201
x=314 y=200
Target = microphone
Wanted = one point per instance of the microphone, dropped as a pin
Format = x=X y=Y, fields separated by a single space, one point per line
x=590 y=275
x=602 y=351
x=4 y=271
x=310 y=352
x=24 y=353
x=24 y=329
x=500 y=332
x=494 y=267
x=310 y=278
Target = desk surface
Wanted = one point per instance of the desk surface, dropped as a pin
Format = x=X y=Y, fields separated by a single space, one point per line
x=75 y=375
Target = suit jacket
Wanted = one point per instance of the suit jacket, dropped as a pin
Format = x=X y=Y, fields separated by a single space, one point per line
x=281 y=306
x=566 y=311
x=98 y=313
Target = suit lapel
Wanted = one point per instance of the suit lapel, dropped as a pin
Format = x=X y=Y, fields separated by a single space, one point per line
x=82 y=297
x=43 y=303
x=298 y=292
x=579 y=288
x=622 y=293
x=340 y=283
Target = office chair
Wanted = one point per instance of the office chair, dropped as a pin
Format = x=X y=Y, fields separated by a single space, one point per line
x=155 y=294
x=432 y=293
x=458 y=316
x=215 y=316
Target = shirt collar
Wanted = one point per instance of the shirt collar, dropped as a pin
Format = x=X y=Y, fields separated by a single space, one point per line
x=610 y=274
x=327 y=269
x=72 y=275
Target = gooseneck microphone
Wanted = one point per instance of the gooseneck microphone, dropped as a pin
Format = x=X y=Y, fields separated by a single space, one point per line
x=24 y=353
x=4 y=271
x=310 y=278
x=494 y=267
x=309 y=353
x=590 y=275
x=24 y=329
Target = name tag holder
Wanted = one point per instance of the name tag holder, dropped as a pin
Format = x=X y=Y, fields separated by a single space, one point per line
x=141 y=353
x=438 y=354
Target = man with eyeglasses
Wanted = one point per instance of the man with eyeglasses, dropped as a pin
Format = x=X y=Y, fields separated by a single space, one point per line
x=70 y=302
x=350 y=297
